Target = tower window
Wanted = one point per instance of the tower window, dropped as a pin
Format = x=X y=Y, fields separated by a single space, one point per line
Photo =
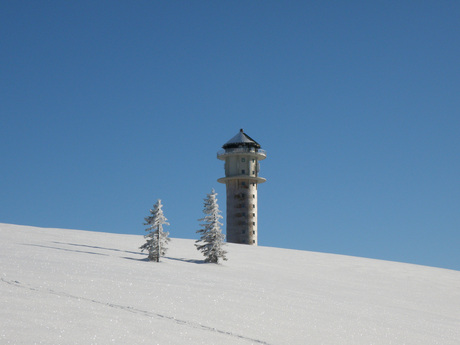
x=253 y=223
x=253 y=196
x=253 y=241
x=253 y=206
x=253 y=214
x=253 y=232
x=243 y=159
x=243 y=171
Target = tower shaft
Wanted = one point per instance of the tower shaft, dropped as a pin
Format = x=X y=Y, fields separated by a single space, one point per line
x=242 y=211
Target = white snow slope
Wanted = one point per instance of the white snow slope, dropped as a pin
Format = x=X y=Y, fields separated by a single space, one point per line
x=78 y=287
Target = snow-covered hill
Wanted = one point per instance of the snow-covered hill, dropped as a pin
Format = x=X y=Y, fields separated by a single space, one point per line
x=77 y=287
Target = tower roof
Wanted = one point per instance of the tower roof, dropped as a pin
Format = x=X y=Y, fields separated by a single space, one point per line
x=241 y=139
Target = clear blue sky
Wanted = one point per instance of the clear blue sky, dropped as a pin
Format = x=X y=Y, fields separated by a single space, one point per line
x=107 y=106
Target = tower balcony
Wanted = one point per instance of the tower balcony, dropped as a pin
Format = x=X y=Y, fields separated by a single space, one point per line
x=250 y=151
x=251 y=179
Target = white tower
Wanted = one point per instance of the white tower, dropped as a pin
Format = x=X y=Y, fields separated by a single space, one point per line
x=241 y=155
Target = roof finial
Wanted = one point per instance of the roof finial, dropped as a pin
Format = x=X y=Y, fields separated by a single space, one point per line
x=241 y=130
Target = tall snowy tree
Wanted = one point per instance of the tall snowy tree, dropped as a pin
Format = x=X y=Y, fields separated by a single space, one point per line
x=212 y=239
x=157 y=239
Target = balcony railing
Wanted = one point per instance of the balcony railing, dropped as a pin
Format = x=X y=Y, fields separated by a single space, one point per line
x=242 y=150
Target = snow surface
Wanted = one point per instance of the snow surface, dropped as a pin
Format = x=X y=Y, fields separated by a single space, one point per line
x=78 y=287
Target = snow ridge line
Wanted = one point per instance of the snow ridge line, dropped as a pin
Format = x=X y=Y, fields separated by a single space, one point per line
x=136 y=311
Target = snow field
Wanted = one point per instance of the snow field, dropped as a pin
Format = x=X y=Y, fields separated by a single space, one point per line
x=77 y=287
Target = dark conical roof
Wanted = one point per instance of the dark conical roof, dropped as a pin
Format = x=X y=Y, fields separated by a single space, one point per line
x=241 y=139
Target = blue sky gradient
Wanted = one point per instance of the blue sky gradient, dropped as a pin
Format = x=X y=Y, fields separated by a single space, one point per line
x=106 y=106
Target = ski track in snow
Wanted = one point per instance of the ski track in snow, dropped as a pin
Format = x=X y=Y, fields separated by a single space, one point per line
x=135 y=311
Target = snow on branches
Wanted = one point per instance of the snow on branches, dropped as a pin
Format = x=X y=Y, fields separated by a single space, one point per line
x=212 y=239
x=157 y=239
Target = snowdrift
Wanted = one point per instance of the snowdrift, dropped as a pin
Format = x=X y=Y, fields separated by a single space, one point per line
x=77 y=287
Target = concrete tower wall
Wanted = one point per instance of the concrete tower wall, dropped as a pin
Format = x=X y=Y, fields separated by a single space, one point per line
x=242 y=211
x=241 y=165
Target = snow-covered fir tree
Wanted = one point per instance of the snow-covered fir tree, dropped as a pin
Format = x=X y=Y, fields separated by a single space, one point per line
x=157 y=239
x=212 y=239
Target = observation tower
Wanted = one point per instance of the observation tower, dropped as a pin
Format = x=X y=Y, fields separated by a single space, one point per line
x=242 y=155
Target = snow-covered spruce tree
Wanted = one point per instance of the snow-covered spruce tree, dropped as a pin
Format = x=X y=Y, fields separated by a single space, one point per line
x=212 y=239
x=156 y=238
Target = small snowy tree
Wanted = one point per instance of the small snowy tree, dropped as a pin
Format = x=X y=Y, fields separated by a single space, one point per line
x=212 y=239
x=156 y=238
